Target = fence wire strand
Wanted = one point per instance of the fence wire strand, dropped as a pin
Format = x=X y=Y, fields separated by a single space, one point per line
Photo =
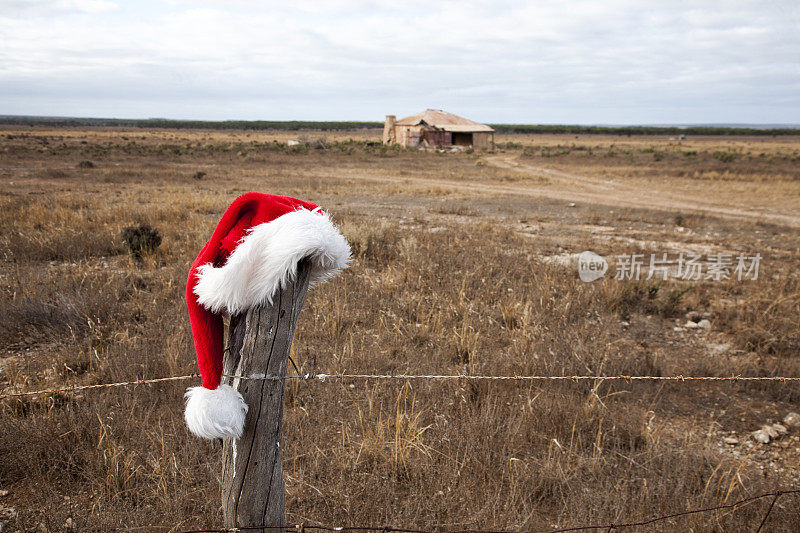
x=456 y=377
x=608 y=526
x=77 y=388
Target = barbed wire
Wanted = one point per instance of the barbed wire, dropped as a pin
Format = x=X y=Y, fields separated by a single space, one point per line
x=345 y=376
x=76 y=388
x=323 y=377
x=302 y=528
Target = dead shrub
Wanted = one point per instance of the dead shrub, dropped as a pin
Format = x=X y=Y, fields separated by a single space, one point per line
x=141 y=239
x=627 y=297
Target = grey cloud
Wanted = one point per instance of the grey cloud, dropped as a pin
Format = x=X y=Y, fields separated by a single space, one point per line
x=578 y=62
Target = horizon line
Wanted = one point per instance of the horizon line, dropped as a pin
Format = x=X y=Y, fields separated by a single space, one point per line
x=756 y=125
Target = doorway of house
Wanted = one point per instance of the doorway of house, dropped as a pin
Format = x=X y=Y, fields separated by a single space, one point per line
x=462 y=139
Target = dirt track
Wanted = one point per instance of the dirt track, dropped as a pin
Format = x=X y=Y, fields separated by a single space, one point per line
x=605 y=192
x=577 y=188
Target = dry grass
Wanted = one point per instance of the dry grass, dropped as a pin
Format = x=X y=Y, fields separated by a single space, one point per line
x=453 y=272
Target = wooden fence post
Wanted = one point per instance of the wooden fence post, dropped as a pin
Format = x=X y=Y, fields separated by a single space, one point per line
x=258 y=345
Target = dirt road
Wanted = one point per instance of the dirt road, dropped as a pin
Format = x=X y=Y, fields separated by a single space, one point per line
x=583 y=188
x=569 y=187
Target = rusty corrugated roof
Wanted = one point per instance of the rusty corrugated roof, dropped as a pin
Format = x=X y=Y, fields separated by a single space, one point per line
x=443 y=121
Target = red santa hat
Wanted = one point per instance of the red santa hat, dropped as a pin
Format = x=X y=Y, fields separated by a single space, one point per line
x=253 y=251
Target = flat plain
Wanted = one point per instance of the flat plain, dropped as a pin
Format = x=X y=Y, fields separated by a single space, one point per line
x=463 y=263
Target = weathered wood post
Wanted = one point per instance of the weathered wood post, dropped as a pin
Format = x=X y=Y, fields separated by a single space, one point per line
x=259 y=342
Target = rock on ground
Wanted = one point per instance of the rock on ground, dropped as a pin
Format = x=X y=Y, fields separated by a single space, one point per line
x=792 y=420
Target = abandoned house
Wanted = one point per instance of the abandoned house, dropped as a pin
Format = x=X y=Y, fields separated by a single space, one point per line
x=437 y=128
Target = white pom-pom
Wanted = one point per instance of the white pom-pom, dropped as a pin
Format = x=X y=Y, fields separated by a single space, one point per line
x=215 y=414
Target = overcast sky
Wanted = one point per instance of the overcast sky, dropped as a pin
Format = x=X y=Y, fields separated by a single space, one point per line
x=577 y=62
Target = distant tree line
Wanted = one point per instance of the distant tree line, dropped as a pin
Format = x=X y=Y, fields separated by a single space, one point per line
x=642 y=130
x=292 y=125
x=298 y=125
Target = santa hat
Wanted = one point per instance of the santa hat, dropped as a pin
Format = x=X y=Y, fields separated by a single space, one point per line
x=253 y=251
